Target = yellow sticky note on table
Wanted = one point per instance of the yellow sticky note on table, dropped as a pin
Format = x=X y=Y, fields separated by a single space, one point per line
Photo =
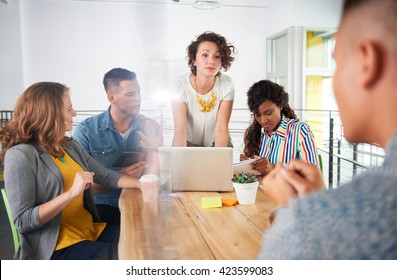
x=211 y=202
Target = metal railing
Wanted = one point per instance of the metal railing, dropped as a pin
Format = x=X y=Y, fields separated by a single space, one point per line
x=5 y=116
x=341 y=160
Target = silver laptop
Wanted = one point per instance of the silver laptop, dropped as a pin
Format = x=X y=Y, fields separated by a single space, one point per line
x=196 y=168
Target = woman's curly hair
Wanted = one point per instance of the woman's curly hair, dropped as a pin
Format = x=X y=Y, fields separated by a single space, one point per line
x=226 y=50
x=257 y=94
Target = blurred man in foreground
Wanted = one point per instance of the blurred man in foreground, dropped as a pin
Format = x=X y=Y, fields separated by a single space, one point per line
x=357 y=220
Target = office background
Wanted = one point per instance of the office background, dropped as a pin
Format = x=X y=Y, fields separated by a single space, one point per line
x=76 y=41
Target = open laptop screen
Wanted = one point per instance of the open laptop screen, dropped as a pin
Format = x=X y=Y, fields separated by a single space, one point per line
x=196 y=168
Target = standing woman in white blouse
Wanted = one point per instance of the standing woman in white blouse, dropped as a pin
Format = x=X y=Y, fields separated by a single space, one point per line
x=204 y=104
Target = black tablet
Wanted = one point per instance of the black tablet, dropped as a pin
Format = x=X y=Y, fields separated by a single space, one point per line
x=128 y=158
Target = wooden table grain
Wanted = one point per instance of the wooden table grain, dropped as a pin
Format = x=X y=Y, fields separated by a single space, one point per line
x=177 y=228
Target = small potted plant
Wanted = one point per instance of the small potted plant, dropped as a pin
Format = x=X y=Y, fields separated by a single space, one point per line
x=246 y=185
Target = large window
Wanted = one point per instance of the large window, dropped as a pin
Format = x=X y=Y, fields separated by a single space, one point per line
x=284 y=58
x=301 y=60
x=318 y=70
x=277 y=69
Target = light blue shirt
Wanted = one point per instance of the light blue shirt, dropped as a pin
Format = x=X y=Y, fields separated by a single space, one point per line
x=103 y=142
x=355 y=221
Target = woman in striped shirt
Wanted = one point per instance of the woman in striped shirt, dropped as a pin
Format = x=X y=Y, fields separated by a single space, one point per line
x=275 y=134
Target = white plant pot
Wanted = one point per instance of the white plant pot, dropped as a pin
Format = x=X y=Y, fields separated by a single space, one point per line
x=246 y=193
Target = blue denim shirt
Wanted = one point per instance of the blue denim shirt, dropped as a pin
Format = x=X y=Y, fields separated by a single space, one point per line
x=103 y=142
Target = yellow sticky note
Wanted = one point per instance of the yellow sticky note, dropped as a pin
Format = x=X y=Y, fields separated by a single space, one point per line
x=211 y=202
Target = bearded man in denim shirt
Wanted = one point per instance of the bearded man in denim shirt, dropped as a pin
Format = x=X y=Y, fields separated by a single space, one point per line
x=119 y=129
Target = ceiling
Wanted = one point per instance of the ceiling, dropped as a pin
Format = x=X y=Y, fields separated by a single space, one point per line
x=225 y=3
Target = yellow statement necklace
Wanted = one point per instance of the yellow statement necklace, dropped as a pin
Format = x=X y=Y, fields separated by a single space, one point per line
x=205 y=106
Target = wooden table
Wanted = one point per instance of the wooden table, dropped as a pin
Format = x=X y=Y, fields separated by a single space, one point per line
x=177 y=227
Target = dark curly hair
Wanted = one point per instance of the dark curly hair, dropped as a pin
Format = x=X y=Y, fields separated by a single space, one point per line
x=226 y=50
x=257 y=94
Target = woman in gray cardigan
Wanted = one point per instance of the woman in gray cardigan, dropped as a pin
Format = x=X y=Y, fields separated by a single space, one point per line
x=47 y=178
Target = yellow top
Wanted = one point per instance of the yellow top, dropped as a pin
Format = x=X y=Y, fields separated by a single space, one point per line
x=76 y=223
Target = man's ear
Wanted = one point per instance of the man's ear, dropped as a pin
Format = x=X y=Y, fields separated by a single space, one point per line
x=371 y=63
x=110 y=97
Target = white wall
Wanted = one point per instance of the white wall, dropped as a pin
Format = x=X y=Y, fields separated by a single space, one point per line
x=76 y=42
x=11 y=68
x=282 y=14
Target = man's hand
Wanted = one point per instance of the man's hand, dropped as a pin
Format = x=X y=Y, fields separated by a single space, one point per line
x=279 y=190
x=300 y=178
x=150 y=137
x=148 y=142
x=303 y=176
x=135 y=170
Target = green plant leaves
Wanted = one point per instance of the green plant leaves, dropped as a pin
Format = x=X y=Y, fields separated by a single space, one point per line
x=244 y=177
